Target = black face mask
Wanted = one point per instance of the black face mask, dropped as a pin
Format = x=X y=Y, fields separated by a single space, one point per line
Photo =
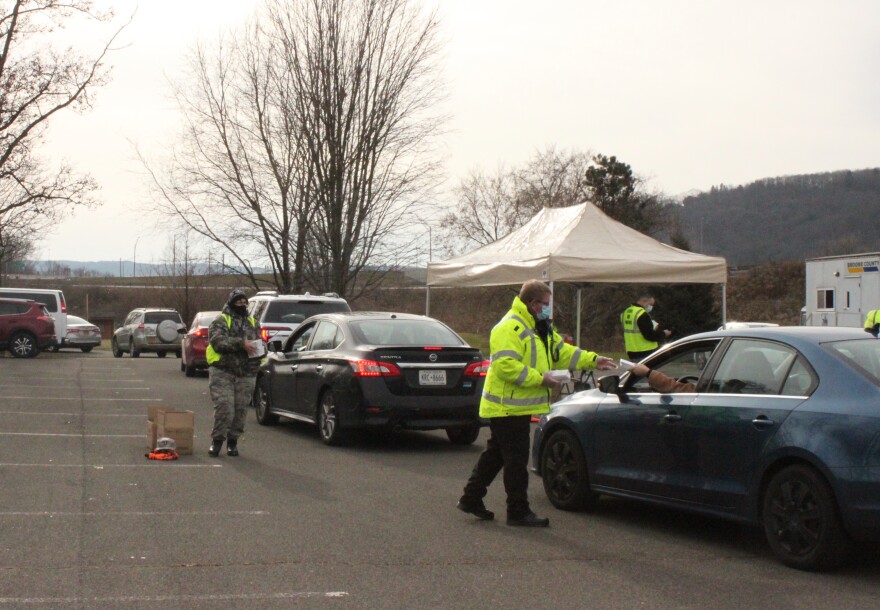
x=239 y=309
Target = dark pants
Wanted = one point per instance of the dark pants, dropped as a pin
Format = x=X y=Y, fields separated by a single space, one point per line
x=637 y=356
x=508 y=448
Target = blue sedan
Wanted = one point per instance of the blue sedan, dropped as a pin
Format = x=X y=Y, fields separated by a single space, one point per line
x=781 y=429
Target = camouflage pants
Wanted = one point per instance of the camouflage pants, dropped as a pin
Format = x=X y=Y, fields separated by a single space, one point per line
x=231 y=396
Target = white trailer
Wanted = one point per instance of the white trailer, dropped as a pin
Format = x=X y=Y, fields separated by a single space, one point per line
x=841 y=290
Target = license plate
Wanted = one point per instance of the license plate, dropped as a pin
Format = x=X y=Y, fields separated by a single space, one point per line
x=432 y=377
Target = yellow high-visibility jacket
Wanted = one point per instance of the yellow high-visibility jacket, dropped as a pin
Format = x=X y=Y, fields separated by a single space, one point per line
x=519 y=360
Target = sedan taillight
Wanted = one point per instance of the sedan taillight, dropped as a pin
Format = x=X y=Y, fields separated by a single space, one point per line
x=477 y=369
x=202 y=332
x=371 y=368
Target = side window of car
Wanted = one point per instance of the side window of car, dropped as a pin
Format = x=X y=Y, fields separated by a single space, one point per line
x=7 y=308
x=325 y=336
x=753 y=367
x=799 y=381
x=300 y=340
x=685 y=364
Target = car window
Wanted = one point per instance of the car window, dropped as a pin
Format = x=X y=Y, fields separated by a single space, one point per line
x=157 y=317
x=205 y=319
x=75 y=320
x=686 y=362
x=8 y=308
x=298 y=341
x=800 y=380
x=405 y=332
x=327 y=336
x=861 y=354
x=753 y=367
x=294 y=312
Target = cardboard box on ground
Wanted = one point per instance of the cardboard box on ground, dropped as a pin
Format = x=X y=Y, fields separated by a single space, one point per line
x=165 y=421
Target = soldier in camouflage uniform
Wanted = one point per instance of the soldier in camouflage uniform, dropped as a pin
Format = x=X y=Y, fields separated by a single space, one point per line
x=233 y=366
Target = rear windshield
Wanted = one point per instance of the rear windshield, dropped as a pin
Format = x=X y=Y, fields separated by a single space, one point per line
x=862 y=354
x=156 y=317
x=294 y=312
x=206 y=318
x=75 y=320
x=405 y=332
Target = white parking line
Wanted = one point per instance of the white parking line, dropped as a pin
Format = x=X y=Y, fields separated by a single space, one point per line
x=139 y=415
x=153 y=513
x=171 y=598
x=72 y=435
x=58 y=387
x=84 y=399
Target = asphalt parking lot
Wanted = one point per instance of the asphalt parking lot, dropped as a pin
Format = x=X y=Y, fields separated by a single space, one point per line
x=88 y=522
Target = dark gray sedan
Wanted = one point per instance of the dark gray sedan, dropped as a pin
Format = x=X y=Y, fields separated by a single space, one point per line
x=346 y=371
x=782 y=429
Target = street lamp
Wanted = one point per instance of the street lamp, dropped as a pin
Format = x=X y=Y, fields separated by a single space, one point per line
x=134 y=257
x=428 y=288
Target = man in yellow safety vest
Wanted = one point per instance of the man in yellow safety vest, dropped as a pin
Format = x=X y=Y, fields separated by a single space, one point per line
x=641 y=335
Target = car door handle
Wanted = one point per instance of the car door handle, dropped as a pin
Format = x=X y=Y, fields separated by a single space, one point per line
x=319 y=367
x=672 y=418
x=763 y=422
x=293 y=367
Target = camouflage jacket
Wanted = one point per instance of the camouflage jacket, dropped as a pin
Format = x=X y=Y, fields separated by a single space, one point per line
x=228 y=339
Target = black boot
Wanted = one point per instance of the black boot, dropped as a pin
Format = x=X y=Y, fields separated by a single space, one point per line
x=232 y=447
x=216 y=445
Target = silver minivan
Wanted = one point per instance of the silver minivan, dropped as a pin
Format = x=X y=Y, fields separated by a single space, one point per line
x=52 y=299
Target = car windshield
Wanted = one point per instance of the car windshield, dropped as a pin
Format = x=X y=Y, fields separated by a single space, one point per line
x=405 y=332
x=294 y=312
x=156 y=317
x=862 y=354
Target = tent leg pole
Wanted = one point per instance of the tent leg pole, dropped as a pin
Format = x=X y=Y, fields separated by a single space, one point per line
x=577 y=336
x=427 y=300
x=723 y=304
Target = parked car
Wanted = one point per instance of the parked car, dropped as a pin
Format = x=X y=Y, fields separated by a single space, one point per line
x=782 y=430
x=195 y=342
x=81 y=334
x=26 y=327
x=54 y=301
x=148 y=329
x=344 y=371
x=280 y=315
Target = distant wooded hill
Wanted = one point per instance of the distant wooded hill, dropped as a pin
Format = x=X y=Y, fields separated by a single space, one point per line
x=787 y=218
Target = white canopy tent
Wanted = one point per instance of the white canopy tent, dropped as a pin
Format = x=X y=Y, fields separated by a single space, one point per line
x=578 y=244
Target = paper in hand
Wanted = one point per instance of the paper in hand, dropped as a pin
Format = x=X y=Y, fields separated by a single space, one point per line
x=626 y=364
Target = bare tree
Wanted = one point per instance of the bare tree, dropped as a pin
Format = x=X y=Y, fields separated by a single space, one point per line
x=490 y=207
x=37 y=81
x=306 y=140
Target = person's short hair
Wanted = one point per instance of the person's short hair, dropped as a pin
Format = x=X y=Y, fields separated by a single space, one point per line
x=533 y=290
x=645 y=296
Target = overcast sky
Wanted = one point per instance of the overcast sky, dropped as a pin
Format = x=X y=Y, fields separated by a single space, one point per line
x=690 y=93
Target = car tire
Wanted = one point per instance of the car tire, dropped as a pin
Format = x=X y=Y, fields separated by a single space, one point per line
x=114 y=347
x=263 y=404
x=189 y=369
x=564 y=473
x=132 y=350
x=463 y=436
x=178 y=354
x=801 y=520
x=329 y=425
x=86 y=349
x=161 y=354
x=23 y=345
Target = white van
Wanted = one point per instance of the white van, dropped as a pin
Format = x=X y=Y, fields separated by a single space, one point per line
x=52 y=299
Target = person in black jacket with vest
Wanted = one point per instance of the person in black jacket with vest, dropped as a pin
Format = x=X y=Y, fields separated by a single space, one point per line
x=233 y=358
